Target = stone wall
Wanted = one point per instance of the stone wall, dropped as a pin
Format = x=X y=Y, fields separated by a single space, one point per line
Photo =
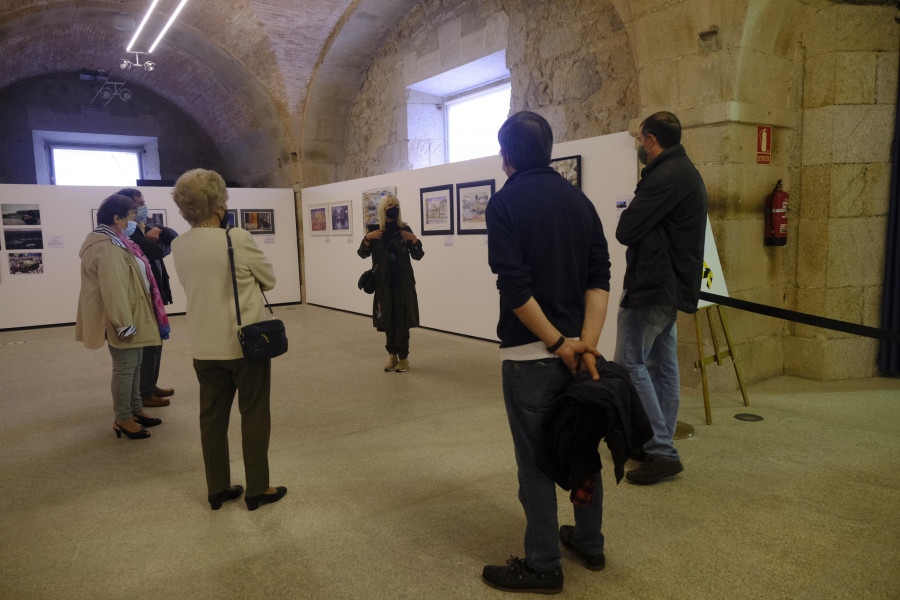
x=848 y=123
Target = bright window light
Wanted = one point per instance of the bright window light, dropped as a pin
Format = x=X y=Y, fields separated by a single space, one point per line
x=473 y=121
x=95 y=167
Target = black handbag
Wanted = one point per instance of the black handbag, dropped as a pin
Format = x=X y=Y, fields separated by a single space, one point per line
x=263 y=340
x=367 y=281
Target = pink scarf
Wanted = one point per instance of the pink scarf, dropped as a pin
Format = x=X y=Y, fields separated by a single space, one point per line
x=162 y=319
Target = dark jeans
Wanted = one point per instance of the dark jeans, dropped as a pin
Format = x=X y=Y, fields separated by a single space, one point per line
x=150 y=370
x=529 y=388
x=219 y=379
x=397 y=332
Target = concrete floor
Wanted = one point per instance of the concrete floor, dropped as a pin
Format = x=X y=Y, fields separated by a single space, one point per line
x=403 y=485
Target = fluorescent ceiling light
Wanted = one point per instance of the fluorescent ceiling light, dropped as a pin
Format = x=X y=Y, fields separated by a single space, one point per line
x=141 y=26
x=166 y=28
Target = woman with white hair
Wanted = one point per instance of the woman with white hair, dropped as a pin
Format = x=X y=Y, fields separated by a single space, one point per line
x=395 y=307
x=204 y=270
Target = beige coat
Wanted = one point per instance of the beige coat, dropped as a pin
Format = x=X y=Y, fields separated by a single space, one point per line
x=201 y=260
x=113 y=295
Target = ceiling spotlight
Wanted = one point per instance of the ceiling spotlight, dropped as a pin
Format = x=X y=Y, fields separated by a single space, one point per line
x=125 y=64
x=125 y=95
x=149 y=65
x=106 y=93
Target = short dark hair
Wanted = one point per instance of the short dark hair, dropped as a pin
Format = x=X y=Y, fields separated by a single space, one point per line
x=665 y=127
x=527 y=140
x=130 y=192
x=117 y=205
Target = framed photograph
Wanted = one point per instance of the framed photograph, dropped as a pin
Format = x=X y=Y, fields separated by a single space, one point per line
x=471 y=204
x=340 y=215
x=20 y=214
x=23 y=239
x=370 y=200
x=258 y=220
x=26 y=263
x=156 y=218
x=570 y=168
x=318 y=219
x=437 y=210
x=232 y=217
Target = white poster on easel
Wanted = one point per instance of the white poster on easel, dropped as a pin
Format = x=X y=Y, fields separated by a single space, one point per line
x=713 y=280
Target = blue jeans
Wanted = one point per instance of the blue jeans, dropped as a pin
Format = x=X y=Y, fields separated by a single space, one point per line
x=647 y=345
x=126 y=381
x=529 y=389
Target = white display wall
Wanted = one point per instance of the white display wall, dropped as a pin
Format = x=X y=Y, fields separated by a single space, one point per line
x=51 y=297
x=457 y=291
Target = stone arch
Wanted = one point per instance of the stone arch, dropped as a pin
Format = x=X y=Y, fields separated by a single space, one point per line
x=243 y=116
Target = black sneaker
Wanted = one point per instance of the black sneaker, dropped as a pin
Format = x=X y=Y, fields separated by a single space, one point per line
x=654 y=469
x=594 y=562
x=516 y=576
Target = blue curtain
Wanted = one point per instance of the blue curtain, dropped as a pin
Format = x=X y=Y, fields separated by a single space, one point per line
x=889 y=352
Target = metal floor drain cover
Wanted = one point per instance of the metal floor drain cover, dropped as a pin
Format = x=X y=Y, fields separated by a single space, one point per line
x=747 y=417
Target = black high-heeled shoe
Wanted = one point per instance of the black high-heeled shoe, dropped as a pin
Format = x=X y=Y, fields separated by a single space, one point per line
x=147 y=421
x=253 y=502
x=132 y=435
x=215 y=500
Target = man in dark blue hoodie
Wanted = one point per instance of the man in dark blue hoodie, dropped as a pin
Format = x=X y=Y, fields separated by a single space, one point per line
x=664 y=228
x=547 y=248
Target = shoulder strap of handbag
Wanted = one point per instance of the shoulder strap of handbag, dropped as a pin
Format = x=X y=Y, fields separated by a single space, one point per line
x=237 y=307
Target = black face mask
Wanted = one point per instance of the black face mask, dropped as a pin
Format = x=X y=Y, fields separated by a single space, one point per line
x=393 y=212
x=223 y=222
x=642 y=155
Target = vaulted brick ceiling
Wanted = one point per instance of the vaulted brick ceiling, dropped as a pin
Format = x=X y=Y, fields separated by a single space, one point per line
x=235 y=66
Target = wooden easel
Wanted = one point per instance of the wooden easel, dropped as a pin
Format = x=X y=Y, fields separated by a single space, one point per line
x=716 y=357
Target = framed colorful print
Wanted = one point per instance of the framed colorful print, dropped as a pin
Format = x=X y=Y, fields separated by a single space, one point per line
x=370 y=200
x=471 y=204
x=318 y=219
x=570 y=168
x=258 y=220
x=340 y=215
x=232 y=217
x=437 y=210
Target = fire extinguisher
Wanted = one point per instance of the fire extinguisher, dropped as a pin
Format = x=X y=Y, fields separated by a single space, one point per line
x=776 y=216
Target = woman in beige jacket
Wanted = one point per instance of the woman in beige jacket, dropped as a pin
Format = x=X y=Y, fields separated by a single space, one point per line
x=115 y=306
x=204 y=270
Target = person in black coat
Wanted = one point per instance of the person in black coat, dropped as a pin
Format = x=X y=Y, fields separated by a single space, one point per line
x=395 y=306
x=155 y=243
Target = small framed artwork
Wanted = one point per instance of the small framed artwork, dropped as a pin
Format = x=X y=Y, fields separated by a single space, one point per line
x=156 y=218
x=26 y=263
x=471 y=204
x=232 y=217
x=23 y=239
x=318 y=219
x=370 y=200
x=259 y=220
x=21 y=214
x=94 y=218
x=339 y=213
x=437 y=210
x=570 y=168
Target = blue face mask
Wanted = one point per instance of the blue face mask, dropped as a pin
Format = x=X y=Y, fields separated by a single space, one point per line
x=141 y=214
x=132 y=225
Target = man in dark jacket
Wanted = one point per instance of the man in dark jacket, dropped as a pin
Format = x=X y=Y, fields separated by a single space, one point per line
x=664 y=229
x=155 y=243
x=547 y=248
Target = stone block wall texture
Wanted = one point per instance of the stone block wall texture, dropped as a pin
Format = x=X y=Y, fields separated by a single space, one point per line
x=849 y=105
